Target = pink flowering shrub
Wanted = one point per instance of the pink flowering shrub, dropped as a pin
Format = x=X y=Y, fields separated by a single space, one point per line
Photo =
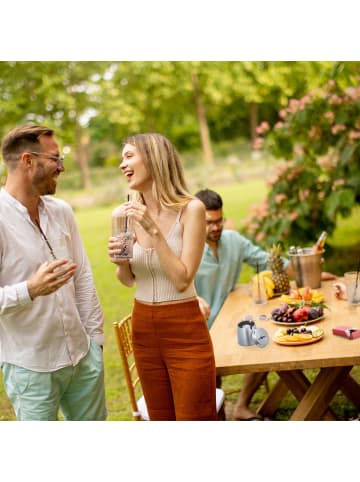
x=318 y=141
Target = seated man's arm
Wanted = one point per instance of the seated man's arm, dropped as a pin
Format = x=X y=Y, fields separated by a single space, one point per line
x=325 y=276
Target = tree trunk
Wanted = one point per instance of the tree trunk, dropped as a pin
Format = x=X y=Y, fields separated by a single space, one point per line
x=253 y=120
x=82 y=157
x=203 y=125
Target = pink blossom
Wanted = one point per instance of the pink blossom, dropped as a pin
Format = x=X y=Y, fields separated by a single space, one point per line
x=253 y=226
x=298 y=149
x=262 y=128
x=338 y=128
x=354 y=135
x=353 y=93
x=325 y=162
x=260 y=236
x=279 y=198
x=283 y=113
x=258 y=143
x=279 y=125
x=338 y=183
x=293 y=172
x=330 y=84
x=330 y=115
x=271 y=182
x=304 y=101
x=293 y=216
x=282 y=167
x=260 y=211
x=335 y=100
x=293 y=105
x=304 y=194
x=314 y=132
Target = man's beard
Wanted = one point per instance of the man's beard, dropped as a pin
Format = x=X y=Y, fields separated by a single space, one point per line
x=214 y=236
x=44 y=184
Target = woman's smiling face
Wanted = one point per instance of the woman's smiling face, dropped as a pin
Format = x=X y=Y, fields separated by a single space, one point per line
x=134 y=169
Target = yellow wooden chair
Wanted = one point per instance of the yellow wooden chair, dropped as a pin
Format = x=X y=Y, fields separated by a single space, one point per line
x=124 y=341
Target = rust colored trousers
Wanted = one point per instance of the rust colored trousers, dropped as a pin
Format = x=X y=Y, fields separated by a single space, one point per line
x=175 y=361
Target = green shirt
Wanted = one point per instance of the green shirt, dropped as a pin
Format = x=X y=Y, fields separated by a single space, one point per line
x=216 y=278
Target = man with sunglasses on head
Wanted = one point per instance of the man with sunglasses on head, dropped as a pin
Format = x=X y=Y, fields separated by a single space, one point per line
x=51 y=322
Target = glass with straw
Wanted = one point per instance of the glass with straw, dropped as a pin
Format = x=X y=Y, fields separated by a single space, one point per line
x=122 y=229
x=258 y=288
x=353 y=286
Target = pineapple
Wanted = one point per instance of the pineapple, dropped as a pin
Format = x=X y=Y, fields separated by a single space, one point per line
x=279 y=277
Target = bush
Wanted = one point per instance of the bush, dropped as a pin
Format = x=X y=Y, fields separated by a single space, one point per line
x=318 y=139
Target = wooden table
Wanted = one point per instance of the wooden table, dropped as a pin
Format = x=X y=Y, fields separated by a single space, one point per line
x=333 y=355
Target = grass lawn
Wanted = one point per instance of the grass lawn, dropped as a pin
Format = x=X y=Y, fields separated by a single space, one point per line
x=117 y=300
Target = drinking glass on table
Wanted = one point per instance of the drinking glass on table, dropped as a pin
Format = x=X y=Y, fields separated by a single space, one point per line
x=258 y=291
x=352 y=281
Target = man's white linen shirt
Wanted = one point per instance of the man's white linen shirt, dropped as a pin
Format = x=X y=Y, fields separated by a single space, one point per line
x=53 y=331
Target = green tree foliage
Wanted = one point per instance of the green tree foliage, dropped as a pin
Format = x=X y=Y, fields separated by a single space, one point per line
x=62 y=95
x=95 y=105
x=160 y=96
x=318 y=139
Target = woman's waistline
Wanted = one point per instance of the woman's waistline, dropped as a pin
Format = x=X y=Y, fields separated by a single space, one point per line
x=166 y=303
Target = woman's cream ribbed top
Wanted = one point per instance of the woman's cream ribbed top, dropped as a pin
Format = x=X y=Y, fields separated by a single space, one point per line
x=152 y=284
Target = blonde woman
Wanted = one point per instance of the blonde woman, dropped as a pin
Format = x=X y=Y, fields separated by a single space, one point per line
x=172 y=346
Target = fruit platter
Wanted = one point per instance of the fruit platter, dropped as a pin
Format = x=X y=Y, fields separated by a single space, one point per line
x=305 y=294
x=302 y=335
x=297 y=315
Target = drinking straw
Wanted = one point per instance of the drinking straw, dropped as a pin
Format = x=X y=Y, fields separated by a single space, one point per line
x=126 y=218
x=258 y=280
x=357 y=278
x=300 y=273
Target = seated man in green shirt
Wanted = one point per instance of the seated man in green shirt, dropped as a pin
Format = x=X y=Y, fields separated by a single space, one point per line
x=224 y=253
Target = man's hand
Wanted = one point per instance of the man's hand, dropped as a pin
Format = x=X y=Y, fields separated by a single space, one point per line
x=339 y=290
x=204 y=307
x=325 y=276
x=50 y=277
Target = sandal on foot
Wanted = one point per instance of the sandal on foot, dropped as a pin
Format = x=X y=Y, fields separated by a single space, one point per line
x=254 y=418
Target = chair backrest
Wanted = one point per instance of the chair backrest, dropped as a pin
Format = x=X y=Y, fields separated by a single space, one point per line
x=124 y=341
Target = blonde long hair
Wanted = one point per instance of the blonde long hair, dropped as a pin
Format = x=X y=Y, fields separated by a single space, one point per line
x=165 y=167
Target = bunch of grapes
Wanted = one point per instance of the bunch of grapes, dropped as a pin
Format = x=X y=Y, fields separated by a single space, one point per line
x=283 y=314
x=302 y=329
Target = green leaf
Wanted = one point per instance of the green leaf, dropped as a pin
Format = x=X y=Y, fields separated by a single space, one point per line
x=338 y=199
x=347 y=152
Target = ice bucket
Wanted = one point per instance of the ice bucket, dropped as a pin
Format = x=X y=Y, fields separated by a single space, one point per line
x=307 y=268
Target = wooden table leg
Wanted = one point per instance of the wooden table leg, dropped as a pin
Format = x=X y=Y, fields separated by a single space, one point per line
x=351 y=389
x=315 y=402
x=271 y=403
x=299 y=385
